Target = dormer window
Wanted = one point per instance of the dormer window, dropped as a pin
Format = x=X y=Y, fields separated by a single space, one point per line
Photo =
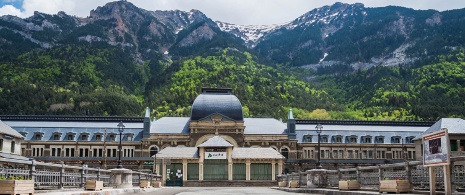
x=337 y=139
x=409 y=140
x=112 y=137
x=307 y=138
x=129 y=137
x=395 y=140
x=56 y=136
x=84 y=136
x=38 y=135
x=70 y=136
x=352 y=139
x=98 y=137
x=379 y=139
x=366 y=139
x=324 y=138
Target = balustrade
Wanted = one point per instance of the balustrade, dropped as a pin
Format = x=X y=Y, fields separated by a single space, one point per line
x=369 y=176
x=59 y=176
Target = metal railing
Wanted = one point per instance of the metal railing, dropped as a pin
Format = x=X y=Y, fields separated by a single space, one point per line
x=59 y=176
x=369 y=177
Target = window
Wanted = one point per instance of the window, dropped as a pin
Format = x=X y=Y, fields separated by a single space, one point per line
x=411 y=154
x=327 y=154
x=366 y=139
x=356 y=154
x=84 y=137
x=379 y=139
x=69 y=152
x=307 y=138
x=37 y=151
x=154 y=150
x=284 y=152
x=97 y=152
x=341 y=154
x=98 y=137
x=380 y=154
x=129 y=137
x=38 y=136
x=335 y=154
x=83 y=152
x=352 y=139
x=56 y=137
x=1 y=145
x=324 y=139
x=13 y=143
x=349 y=154
x=337 y=139
x=395 y=140
x=56 y=152
x=409 y=140
x=112 y=137
x=70 y=136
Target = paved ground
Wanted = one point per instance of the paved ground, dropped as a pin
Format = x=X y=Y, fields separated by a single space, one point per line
x=216 y=191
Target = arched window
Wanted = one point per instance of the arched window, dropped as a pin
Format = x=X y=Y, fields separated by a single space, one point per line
x=153 y=150
x=285 y=152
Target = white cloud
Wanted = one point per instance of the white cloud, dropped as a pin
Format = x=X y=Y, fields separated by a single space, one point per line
x=10 y=10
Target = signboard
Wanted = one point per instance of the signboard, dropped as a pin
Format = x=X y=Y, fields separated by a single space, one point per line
x=215 y=155
x=436 y=148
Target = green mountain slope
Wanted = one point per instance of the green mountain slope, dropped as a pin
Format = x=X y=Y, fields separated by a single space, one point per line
x=404 y=93
x=262 y=90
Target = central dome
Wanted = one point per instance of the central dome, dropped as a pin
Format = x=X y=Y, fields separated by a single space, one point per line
x=216 y=101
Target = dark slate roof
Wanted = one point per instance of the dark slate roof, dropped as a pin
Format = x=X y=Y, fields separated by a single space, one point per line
x=5 y=129
x=453 y=126
x=264 y=126
x=178 y=153
x=170 y=125
x=48 y=128
x=215 y=141
x=180 y=125
x=256 y=153
x=387 y=131
x=217 y=101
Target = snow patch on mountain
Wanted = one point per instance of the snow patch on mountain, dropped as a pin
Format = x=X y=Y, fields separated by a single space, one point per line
x=249 y=33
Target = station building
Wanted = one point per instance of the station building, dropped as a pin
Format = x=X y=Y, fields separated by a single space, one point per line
x=216 y=143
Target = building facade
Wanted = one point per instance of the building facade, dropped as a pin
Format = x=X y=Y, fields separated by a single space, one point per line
x=149 y=144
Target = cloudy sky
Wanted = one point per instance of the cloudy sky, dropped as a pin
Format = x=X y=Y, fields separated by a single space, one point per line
x=233 y=11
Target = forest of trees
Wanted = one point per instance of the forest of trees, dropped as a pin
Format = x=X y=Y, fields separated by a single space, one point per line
x=99 y=79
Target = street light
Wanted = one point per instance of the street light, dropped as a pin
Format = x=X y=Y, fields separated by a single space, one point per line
x=319 y=128
x=120 y=129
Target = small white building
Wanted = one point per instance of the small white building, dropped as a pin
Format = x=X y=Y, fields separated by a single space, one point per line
x=10 y=142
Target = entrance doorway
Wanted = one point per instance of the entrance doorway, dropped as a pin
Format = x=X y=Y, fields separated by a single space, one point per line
x=174 y=174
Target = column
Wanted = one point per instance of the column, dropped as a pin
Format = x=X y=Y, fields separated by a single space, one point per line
x=184 y=169
x=273 y=171
x=201 y=159
x=280 y=166
x=247 y=170
x=163 y=173
x=230 y=163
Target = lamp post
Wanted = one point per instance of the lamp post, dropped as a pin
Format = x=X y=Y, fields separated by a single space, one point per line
x=120 y=129
x=319 y=128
